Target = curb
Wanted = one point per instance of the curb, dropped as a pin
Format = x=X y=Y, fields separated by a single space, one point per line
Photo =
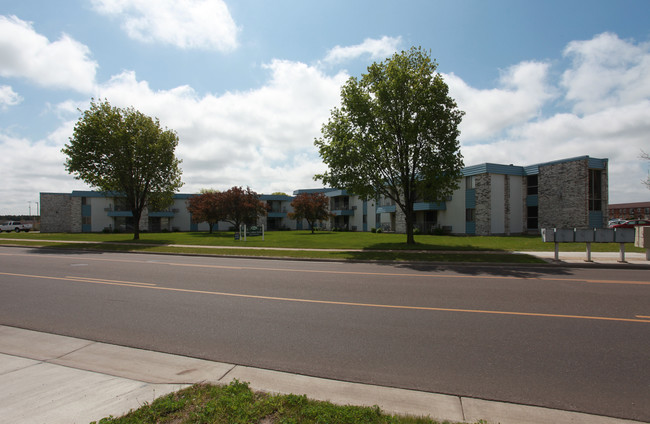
x=59 y=379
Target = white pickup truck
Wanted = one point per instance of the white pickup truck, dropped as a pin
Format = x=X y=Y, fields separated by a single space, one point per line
x=16 y=226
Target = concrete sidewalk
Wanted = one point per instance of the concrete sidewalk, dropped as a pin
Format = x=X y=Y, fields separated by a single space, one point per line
x=46 y=378
x=612 y=259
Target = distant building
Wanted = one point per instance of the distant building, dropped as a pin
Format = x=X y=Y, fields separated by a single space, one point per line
x=491 y=199
x=638 y=210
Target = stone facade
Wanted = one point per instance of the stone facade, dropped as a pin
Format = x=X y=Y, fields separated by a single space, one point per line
x=56 y=213
x=563 y=195
x=483 y=202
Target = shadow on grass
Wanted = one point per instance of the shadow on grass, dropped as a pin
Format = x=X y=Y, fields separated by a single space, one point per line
x=87 y=248
x=493 y=264
x=426 y=247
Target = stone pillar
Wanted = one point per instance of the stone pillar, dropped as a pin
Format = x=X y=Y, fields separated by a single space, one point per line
x=483 y=205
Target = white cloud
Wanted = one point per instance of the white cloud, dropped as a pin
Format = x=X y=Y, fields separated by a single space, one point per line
x=8 y=97
x=262 y=137
x=523 y=90
x=202 y=24
x=24 y=53
x=606 y=89
x=606 y=71
x=375 y=49
x=38 y=168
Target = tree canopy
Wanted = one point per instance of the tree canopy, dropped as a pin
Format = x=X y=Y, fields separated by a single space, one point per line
x=312 y=207
x=241 y=206
x=394 y=135
x=206 y=207
x=128 y=153
x=236 y=206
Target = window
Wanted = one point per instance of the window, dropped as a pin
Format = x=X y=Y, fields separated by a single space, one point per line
x=470 y=182
x=532 y=221
x=470 y=215
x=532 y=184
x=595 y=190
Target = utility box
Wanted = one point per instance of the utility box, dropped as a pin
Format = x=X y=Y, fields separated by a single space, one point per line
x=604 y=235
x=584 y=236
x=624 y=235
x=564 y=235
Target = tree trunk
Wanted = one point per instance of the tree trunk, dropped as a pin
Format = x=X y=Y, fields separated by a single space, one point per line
x=136 y=227
x=408 y=218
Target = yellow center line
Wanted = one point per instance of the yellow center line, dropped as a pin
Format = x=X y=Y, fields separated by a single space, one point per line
x=102 y=280
x=639 y=318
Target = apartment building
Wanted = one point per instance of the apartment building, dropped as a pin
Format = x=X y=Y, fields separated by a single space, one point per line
x=491 y=199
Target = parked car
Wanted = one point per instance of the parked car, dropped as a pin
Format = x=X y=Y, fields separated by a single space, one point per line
x=615 y=221
x=633 y=223
x=16 y=226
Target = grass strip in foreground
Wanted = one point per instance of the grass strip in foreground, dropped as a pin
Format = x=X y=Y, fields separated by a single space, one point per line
x=237 y=403
x=367 y=255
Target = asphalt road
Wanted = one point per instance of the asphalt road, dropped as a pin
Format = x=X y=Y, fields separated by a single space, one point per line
x=572 y=339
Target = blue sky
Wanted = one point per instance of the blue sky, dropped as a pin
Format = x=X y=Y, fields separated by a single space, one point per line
x=247 y=84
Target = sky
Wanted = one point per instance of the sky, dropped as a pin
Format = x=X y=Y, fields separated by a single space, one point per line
x=248 y=84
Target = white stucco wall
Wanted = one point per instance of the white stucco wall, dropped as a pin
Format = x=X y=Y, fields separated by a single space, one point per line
x=454 y=215
x=99 y=217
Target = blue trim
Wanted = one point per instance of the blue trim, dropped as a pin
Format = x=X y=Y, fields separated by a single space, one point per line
x=165 y=214
x=532 y=200
x=493 y=168
x=597 y=163
x=86 y=228
x=470 y=227
x=280 y=197
x=86 y=211
x=386 y=209
x=120 y=213
x=336 y=193
x=429 y=206
x=595 y=219
x=470 y=198
x=313 y=190
x=277 y=214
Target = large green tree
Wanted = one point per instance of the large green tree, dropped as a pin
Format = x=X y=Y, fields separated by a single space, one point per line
x=126 y=152
x=395 y=135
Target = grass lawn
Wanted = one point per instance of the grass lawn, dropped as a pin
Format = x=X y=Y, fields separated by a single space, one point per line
x=328 y=240
x=237 y=403
x=342 y=245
